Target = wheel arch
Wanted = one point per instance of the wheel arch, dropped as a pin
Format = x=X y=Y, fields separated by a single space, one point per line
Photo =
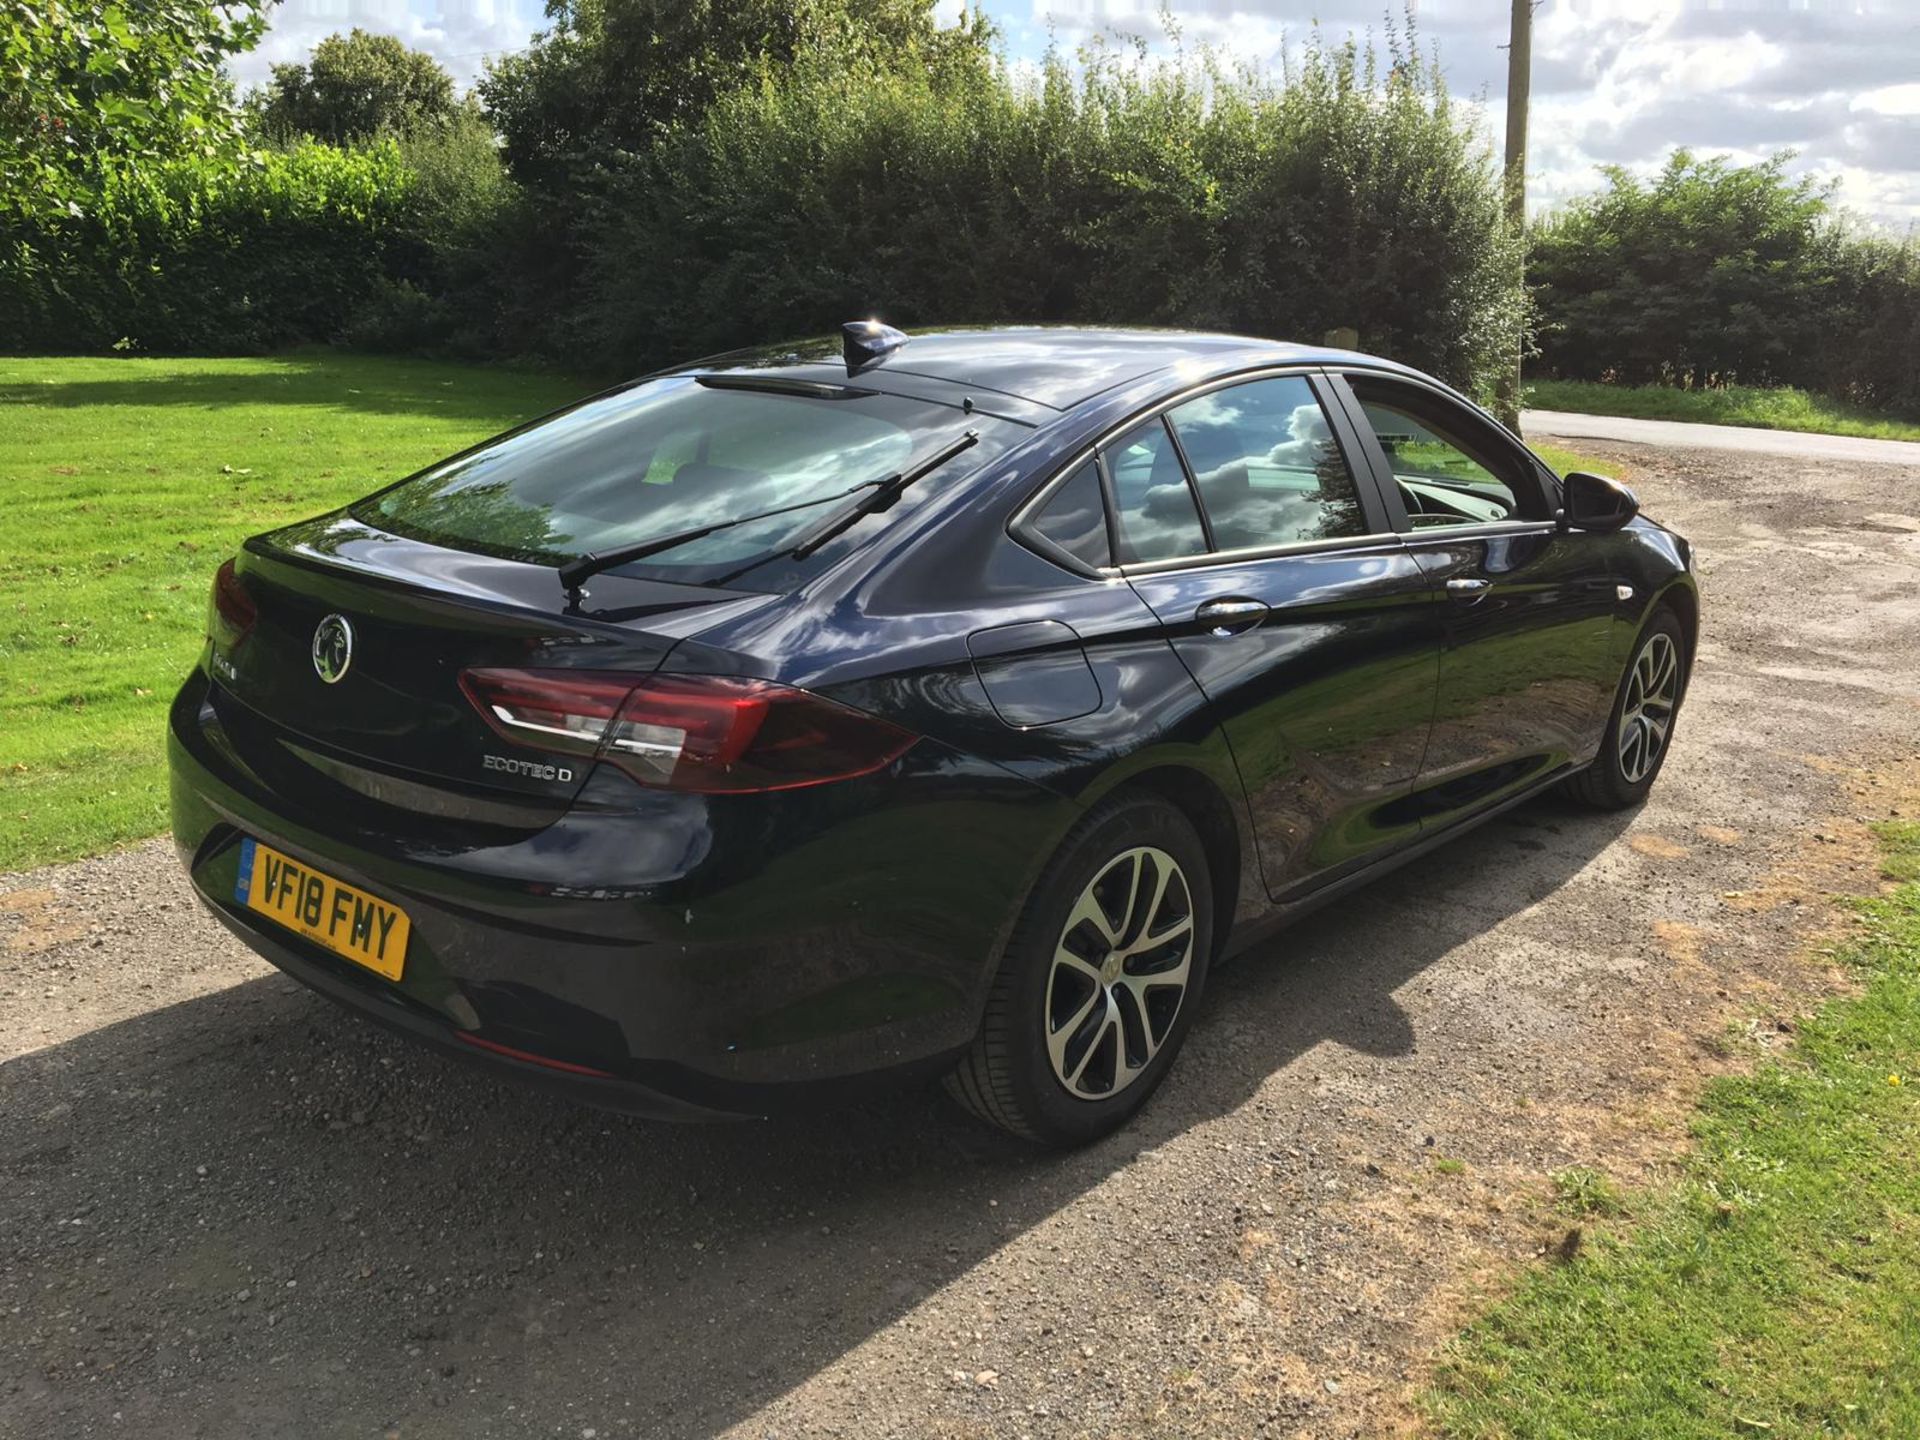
x=1207 y=808
x=1684 y=601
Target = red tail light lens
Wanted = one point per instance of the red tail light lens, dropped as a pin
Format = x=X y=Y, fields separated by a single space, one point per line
x=708 y=733
x=230 y=618
x=554 y=710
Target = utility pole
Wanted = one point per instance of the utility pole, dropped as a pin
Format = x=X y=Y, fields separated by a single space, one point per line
x=1519 y=86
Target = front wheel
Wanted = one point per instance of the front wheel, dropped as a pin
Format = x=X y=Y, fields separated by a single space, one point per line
x=1098 y=984
x=1640 y=730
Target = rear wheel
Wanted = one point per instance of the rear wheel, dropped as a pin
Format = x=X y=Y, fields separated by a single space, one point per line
x=1098 y=984
x=1641 y=727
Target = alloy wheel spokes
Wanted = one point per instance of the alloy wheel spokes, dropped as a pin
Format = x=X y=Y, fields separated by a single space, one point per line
x=1646 y=713
x=1089 y=912
x=1120 y=973
x=1076 y=1044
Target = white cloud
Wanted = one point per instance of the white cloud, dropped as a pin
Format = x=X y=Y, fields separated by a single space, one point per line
x=1623 y=81
x=1890 y=100
x=460 y=34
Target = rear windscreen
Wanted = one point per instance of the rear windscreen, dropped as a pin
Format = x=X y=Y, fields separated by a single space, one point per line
x=671 y=455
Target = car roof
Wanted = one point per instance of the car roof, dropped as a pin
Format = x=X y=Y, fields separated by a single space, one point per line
x=1056 y=366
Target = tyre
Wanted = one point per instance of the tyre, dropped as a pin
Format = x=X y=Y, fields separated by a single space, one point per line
x=1099 y=980
x=1640 y=730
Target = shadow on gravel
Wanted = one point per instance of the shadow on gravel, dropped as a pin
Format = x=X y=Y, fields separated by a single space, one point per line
x=457 y=1247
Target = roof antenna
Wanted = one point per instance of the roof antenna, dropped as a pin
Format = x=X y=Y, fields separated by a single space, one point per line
x=868 y=342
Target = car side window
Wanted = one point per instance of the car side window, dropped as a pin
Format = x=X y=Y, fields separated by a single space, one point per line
x=1075 y=518
x=1267 y=466
x=1445 y=472
x=1153 y=504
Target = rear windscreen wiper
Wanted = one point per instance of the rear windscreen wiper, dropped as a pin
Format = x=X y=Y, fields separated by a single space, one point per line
x=884 y=494
x=577 y=572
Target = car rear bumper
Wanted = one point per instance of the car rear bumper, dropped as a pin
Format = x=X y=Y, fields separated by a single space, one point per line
x=672 y=955
x=664 y=1099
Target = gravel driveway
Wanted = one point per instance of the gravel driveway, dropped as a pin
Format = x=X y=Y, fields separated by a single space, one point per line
x=229 y=1210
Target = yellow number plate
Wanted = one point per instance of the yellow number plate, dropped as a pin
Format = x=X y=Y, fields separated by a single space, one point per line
x=329 y=912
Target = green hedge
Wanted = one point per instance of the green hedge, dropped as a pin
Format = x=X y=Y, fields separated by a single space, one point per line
x=926 y=186
x=1714 y=274
x=182 y=258
x=1121 y=194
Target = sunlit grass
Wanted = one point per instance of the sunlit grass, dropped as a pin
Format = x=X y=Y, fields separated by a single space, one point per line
x=1775 y=1289
x=127 y=482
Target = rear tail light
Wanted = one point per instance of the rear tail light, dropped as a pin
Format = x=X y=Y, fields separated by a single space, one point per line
x=230 y=617
x=709 y=733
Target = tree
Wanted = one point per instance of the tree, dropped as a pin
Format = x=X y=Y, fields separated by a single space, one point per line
x=355 y=86
x=86 y=85
x=1712 y=273
x=611 y=75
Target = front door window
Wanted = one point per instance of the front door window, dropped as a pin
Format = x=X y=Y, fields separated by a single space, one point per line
x=1446 y=475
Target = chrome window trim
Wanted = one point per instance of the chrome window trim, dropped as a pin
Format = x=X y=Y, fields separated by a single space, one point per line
x=1487 y=528
x=1252 y=554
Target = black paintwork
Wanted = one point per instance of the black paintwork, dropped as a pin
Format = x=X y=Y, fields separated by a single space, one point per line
x=731 y=952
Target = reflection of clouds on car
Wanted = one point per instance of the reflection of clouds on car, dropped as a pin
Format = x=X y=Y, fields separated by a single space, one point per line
x=1308 y=441
x=1267 y=466
x=1157 y=518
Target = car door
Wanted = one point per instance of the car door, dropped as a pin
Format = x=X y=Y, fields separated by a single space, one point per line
x=1271 y=562
x=1528 y=671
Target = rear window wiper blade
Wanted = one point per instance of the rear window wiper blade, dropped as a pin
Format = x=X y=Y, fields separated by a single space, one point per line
x=885 y=493
x=577 y=572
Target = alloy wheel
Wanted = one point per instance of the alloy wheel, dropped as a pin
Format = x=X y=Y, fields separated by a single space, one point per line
x=1120 y=973
x=1646 y=717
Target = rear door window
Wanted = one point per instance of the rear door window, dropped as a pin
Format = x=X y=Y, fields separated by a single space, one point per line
x=1154 y=511
x=1267 y=466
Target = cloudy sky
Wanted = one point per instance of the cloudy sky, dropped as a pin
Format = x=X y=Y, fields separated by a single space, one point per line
x=1614 y=81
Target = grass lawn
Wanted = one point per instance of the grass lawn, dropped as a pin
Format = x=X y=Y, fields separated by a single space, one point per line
x=1775 y=1290
x=1737 y=405
x=127 y=482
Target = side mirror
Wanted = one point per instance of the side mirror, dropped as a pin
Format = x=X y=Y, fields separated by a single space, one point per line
x=1593 y=502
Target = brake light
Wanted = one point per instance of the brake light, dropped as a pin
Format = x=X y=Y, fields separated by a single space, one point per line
x=230 y=617
x=707 y=733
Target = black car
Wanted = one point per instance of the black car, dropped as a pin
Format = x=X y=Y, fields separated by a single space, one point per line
x=939 y=704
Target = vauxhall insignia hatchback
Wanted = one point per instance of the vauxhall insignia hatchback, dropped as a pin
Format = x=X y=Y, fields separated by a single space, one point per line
x=805 y=719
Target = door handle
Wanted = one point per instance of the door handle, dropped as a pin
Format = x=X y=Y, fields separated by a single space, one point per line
x=1230 y=617
x=1467 y=587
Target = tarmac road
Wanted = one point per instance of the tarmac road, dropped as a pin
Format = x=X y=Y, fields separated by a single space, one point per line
x=1679 y=434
